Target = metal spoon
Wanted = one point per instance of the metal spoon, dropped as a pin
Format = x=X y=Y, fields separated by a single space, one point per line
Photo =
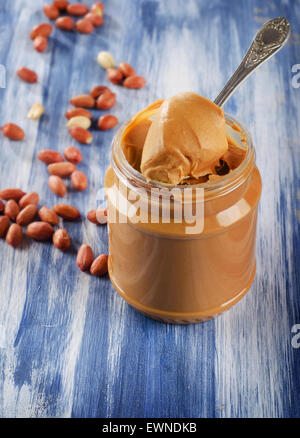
x=271 y=37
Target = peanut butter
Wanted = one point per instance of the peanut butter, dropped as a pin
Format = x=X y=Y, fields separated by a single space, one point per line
x=160 y=268
x=185 y=139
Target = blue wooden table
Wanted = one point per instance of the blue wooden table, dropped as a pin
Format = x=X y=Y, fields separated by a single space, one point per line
x=69 y=345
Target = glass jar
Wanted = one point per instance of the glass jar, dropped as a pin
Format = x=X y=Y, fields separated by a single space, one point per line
x=173 y=270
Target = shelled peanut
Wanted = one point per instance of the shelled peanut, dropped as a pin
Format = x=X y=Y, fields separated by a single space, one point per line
x=61 y=239
x=13 y=131
x=27 y=75
x=35 y=111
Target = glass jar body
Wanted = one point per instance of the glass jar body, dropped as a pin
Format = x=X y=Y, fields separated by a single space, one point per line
x=172 y=275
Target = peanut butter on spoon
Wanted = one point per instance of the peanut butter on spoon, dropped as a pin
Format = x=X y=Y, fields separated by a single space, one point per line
x=186 y=139
x=182 y=140
x=177 y=140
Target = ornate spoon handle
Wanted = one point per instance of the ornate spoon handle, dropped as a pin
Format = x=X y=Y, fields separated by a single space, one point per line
x=271 y=37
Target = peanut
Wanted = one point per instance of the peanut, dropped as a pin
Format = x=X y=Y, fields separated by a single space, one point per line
x=126 y=69
x=14 y=235
x=74 y=112
x=43 y=29
x=106 y=100
x=134 y=82
x=57 y=186
x=79 y=180
x=105 y=59
x=4 y=225
x=84 y=26
x=67 y=212
x=47 y=215
x=114 y=75
x=77 y=9
x=61 y=169
x=51 y=11
x=40 y=43
x=49 y=156
x=81 y=135
x=83 y=100
x=13 y=132
x=96 y=20
x=11 y=209
x=1 y=206
x=27 y=75
x=35 y=111
x=27 y=214
x=15 y=194
x=82 y=121
x=73 y=154
x=85 y=257
x=29 y=198
x=98 y=90
x=65 y=23
x=61 y=4
x=99 y=266
x=61 y=239
x=92 y=216
x=98 y=216
x=107 y=122
x=40 y=231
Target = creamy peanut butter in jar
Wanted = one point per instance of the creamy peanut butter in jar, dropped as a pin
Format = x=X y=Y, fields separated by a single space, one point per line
x=182 y=253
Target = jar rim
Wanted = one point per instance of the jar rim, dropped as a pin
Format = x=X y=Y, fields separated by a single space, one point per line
x=134 y=178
